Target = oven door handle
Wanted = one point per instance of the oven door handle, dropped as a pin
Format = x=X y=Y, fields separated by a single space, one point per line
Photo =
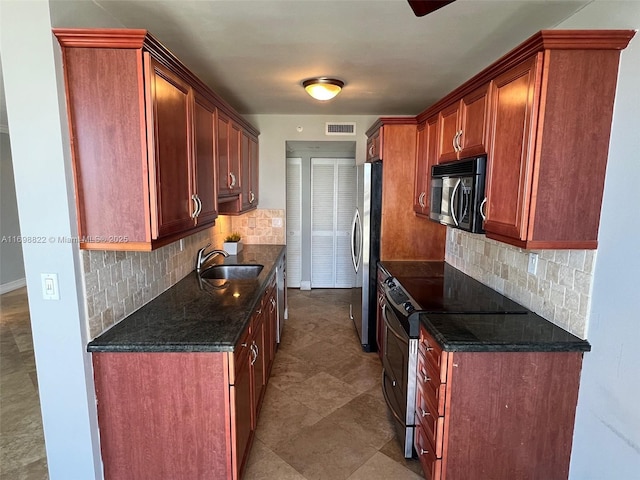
x=402 y=338
x=388 y=402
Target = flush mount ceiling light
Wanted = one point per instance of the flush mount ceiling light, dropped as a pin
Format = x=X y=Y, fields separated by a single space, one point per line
x=323 y=88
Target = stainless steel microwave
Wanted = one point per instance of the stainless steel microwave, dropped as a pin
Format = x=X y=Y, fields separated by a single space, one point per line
x=457 y=193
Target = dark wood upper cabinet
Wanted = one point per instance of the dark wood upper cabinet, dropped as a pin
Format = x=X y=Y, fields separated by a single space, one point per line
x=169 y=137
x=542 y=114
x=462 y=127
x=398 y=150
x=145 y=139
x=426 y=157
x=205 y=159
x=244 y=194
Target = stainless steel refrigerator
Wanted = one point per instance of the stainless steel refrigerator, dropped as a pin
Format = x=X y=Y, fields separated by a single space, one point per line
x=365 y=252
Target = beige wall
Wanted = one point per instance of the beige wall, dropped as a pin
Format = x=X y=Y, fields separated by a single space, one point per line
x=276 y=130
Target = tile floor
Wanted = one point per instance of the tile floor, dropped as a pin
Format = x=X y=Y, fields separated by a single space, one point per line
x=22 y=454
x=323 y=415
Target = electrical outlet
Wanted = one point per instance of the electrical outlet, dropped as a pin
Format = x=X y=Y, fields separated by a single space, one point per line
x=276 y=222
x=532 y=268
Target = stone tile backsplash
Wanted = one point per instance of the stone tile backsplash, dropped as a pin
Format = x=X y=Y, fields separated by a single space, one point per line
x=560 y=291
x=119 y=283
x=260 y=226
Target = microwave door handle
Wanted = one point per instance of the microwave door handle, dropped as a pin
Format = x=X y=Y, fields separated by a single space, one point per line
x=482 y=214
x=452 y=205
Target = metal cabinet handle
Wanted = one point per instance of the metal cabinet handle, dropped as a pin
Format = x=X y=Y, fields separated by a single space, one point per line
x=194 y=214
x=482 y=205
x=199 y=205
x=423 y=451
x=233 y=180
x=421 y=199
x=451 y=202
x=453 y=142
x=371 y=150
x=425 y=378
x=458 y=137
x=252 y=197
x=423 y=412
x=254 y=352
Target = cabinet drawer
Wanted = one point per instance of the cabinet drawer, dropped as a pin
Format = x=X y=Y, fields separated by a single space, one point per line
x=431 y=465
x=429 y=382
x=430 y=421
x=433 y=353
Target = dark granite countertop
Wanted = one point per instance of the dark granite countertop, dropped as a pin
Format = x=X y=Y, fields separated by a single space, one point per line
x=462 y=314
x=194 y=315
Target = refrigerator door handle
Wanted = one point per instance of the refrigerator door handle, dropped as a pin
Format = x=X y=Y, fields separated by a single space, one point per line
x=355 y=255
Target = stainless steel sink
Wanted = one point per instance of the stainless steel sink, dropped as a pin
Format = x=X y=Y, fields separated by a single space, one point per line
x=232 y=272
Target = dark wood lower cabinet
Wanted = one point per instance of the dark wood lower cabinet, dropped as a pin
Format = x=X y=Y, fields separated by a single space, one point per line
x=495 y=415
x=183 y=415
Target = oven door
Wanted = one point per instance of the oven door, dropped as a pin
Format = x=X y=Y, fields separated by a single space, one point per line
x=395 y=361
x=398 y=376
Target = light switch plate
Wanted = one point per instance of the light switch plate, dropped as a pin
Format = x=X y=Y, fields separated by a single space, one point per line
x=50 y=286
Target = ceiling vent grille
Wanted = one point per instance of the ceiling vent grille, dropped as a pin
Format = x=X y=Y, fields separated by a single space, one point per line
x=340 y=128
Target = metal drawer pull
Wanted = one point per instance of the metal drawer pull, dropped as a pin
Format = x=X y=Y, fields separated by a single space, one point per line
x=424 y=414
x=423 y=451
x=425 y=379
x=233 y=180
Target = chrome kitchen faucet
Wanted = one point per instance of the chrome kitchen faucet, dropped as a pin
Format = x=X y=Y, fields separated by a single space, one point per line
x=203 y=258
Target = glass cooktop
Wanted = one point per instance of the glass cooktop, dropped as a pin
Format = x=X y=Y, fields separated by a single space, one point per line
x=449 y=290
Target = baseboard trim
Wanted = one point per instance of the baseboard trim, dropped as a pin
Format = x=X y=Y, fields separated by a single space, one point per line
x=11 y=286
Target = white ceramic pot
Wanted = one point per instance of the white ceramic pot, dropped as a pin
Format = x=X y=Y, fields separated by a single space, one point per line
x=232 y=248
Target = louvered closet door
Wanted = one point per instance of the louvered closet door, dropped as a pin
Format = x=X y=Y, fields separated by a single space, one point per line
x=332 y=204
x=294 y=222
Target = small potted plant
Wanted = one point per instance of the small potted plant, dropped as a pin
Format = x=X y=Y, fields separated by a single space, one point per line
x=233 y=243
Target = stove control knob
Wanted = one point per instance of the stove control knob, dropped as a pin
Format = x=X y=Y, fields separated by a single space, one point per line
x=408 y=306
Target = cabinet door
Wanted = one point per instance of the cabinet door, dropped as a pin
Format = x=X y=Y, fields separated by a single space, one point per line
x=222 y=148
x=242 y=414
x=374 y=146
x=170 y=132
x=245 y=170
x=426 y=158
x=513 y=117
x=421 y=174
x=258 y=363
x=235 y=172
x=273 y=326
x=448 y=128
x=205 y=160
x=254 y=159
x=473 y=123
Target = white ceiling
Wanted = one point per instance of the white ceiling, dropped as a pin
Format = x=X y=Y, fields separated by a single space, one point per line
x=256 y=53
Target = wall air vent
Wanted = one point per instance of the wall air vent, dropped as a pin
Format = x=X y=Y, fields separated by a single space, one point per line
x=340 y=128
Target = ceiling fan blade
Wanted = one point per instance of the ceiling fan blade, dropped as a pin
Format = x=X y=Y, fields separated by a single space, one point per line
x=423 y=7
